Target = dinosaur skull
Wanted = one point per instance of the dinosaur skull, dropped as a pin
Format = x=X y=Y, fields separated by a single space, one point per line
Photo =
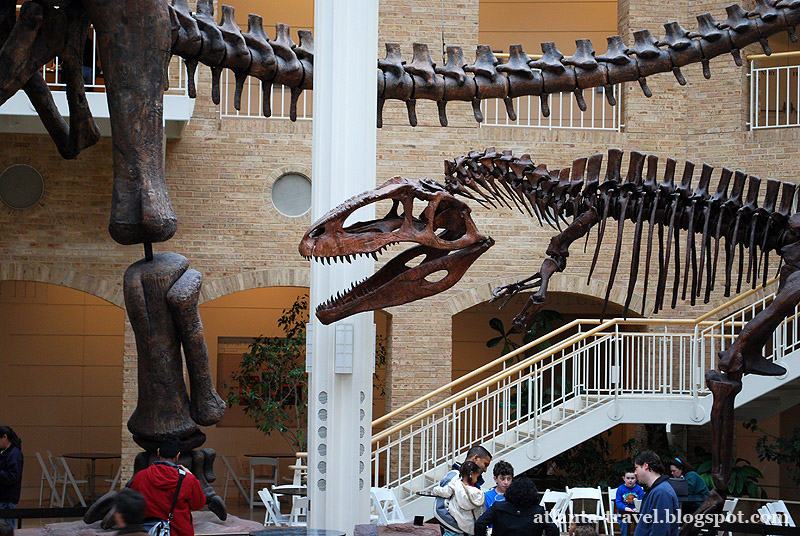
x=444 y=231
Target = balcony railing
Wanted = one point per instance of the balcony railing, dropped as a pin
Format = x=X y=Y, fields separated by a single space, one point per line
x=564 y=112
x=17 y=114
x=774 y=91
x=252 y=102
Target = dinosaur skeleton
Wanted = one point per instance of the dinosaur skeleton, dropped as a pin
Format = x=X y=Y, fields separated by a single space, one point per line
x=135 y=58
x=448 y=241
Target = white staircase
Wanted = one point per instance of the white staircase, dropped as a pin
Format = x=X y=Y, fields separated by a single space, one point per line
x=618 y=371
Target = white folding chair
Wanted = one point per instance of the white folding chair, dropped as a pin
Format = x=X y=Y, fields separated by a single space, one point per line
x=67 y=479
x=114 y=482
x=274 y=515
x=558 y=514
x=551 y=497
x=262 y=461
x=727 y=511
x=612 y=499
x=299 y=514
x=237 y=478
x=778 y=514
x=386 y=506
x=589 y=494
x=49 y=477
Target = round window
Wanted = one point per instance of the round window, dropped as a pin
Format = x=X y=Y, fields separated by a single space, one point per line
x=21 y=186
x=291 y=194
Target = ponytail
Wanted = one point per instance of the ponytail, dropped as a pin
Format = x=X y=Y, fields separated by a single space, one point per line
x=12 y=435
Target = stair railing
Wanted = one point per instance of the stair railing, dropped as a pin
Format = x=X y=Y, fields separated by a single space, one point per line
x=597 y=365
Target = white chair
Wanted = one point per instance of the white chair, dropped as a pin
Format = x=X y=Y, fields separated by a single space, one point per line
x=776 y=514
x=47 y=476
x=386 y=506
x=612 y=508
x=114 y=482
x=237 y=478
x=589 y=494
x=65 y=477
x=727 y=511
x=272 y=478
x=551 y=497
x=558 y=514
x=274 y=515
x=299 y=514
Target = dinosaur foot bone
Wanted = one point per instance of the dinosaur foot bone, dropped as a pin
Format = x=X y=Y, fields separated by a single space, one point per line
x=708 y=511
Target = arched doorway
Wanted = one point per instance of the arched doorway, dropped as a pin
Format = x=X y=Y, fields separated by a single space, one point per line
x=61 y=366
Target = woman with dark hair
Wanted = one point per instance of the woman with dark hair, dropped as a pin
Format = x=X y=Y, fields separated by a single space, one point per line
x=520 y=514
x=10 y=468
x=698 y=491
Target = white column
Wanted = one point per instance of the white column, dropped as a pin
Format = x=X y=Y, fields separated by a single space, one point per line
x=343 y=165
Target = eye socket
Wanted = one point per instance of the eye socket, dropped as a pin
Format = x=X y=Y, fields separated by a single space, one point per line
x=316 y=233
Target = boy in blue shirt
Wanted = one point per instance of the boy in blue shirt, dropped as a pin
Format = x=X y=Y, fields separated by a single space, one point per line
x=626 y=493
x=503 y=474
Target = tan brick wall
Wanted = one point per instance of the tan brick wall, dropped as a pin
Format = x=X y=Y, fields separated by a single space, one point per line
x=220 y=172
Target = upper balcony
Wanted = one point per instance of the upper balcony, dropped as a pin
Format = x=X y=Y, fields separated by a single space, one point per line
x=17 y=114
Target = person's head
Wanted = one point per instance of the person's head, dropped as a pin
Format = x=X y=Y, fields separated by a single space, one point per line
x=129 y=507
x=6 y=529
x=648 y=467
x=9 y=437
x=479 y=456
x=503 y=474
x=576 y=521
x=679 y=468
x=470 y=471
x=169 y=448
x=629 y=478
x=522 y=492
x=584 y=529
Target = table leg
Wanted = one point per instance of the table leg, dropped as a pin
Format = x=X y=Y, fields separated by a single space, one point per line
x=252 y=487
x=91 y=482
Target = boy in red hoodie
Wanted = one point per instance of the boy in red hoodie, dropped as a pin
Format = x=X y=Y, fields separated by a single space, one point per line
x=157 y=484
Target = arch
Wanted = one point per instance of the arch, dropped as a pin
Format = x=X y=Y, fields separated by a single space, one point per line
x=574 y=284
x=65 y=277
x=278 y=277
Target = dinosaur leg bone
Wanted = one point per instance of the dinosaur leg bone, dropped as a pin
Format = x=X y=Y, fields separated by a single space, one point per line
x=558 y=251
x=134 y=63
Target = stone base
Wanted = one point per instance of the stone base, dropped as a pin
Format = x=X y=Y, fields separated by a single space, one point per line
x=398 y=529
x=205 y=522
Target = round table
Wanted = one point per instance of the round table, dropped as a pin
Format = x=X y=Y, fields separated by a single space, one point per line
x=296 y=531
x=93 y=456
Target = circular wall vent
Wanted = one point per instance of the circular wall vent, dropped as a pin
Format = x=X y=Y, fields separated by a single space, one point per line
x=21 y=186
x=291 y=194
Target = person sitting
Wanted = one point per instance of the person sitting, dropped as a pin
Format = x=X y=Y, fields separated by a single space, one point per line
x=696 y=491
x=466 y=500
x=503 y=474
x=519 y=514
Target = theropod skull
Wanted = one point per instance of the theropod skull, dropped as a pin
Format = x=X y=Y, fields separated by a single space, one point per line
x=447 y=239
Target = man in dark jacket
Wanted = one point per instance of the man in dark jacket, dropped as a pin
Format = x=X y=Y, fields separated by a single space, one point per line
x=482 y=458
x=158 y=482
x=519 y=515
x=659 y=512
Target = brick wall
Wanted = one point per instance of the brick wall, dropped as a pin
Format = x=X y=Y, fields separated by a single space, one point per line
x=220 y=172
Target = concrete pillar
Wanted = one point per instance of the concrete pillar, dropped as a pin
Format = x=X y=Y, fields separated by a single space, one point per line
x=343 y=165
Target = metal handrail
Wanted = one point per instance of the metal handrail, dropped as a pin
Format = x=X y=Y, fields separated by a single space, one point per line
x=701 y=320
x=598 y=366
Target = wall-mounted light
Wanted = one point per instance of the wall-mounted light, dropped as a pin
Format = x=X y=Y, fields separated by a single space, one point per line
x=343 y=361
